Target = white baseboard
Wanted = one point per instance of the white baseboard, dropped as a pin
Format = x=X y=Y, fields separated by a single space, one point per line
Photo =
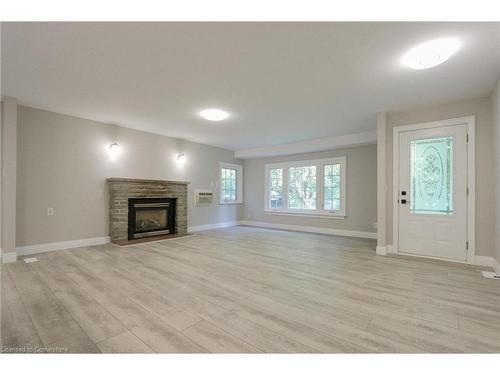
x=487 y=262
x=300 y=228
x=42 y=248
x=479 y=260
x=200 y=228
x=381 y=250
x=8 y=257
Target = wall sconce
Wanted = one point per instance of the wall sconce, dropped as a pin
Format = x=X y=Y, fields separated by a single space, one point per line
x=114 y=148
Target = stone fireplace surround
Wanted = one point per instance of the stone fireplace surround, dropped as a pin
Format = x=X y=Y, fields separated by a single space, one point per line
x=121 y=189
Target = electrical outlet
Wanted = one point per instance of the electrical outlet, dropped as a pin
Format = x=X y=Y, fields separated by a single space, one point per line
x=50 y=211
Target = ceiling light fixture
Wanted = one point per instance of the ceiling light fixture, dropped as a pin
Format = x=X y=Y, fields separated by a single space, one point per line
x=431 y=53
x=213 y=114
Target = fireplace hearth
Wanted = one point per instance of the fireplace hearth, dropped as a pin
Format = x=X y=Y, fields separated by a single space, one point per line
x=148 y=217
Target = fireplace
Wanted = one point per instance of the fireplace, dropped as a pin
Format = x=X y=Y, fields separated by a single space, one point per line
x=148 y=217
x=123 y=191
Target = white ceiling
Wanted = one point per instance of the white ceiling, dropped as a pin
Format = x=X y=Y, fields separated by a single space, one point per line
x=282 y=82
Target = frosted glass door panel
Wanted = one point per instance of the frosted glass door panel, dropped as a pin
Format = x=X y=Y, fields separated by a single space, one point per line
x=431 y=176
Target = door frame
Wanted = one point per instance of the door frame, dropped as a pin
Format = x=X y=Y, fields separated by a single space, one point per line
x=470 y=122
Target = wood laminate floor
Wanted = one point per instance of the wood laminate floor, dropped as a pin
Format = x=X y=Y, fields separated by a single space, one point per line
x=246 y=290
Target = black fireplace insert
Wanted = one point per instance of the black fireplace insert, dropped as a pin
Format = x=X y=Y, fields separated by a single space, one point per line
x=149 y=217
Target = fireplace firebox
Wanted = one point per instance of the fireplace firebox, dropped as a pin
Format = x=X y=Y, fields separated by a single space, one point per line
x=148 y=217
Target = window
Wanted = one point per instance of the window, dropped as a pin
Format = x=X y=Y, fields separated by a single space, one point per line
x=302 y=187
x=276 y=192
x=331 y=189
x=228 y=184
x=231 y=183
x=310 y=187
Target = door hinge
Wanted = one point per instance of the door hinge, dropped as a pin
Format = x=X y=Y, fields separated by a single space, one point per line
x=466 y=245
x=467 y=137
x=467 y=191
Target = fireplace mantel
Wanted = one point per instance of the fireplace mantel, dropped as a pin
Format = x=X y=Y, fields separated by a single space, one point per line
x=138 y=180
x=122 y=189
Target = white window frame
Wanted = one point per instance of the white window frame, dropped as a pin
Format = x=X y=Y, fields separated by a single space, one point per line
x=239 y=183
x=319 y=211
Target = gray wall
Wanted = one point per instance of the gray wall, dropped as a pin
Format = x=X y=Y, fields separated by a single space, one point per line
x=495 y=98
x=361 y=190
x=63 y=162
x=8 y=140
x=481 y=108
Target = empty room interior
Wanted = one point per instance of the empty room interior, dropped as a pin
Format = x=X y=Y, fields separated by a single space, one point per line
x=272 y=187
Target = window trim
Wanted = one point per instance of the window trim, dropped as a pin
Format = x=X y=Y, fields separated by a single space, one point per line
x=239 y=183
x=320 y=165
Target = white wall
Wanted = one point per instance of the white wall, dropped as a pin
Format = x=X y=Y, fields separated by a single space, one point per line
x=482 y=110
x=361 y=191
x=63 y=162
x=495 y=99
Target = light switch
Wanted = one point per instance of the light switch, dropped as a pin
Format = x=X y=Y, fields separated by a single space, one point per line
x=50 y=211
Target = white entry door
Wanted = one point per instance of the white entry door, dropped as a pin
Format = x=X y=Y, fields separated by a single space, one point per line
x=433 y=192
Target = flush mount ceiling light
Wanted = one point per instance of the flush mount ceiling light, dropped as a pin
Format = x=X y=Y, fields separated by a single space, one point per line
x=431 y=53
x=213 y=114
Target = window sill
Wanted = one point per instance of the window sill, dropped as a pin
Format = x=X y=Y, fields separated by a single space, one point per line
x=229 y=203
x=302 y=214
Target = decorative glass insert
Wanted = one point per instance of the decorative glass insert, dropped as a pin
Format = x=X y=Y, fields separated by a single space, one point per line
x=228 y=182
x=431 y=172
x=302 y=187
x=331 y=188
x=276 y=191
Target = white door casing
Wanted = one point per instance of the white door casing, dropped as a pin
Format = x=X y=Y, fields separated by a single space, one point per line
x=433 y=168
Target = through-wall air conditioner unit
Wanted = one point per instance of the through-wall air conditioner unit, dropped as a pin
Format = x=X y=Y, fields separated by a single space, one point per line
x=203 y=197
